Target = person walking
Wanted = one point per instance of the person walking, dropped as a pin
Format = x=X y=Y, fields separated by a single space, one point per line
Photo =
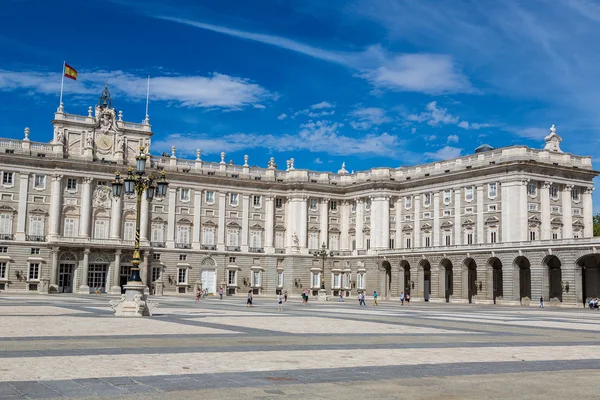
x=280 y=302
x=402 y=298
x=407 y=299
x=375 y=298
x=221 y=293
x=285 y=296
x=198 y=293
x=341 y=299
x=249 y=301
x=542 y=302
x=361 y=299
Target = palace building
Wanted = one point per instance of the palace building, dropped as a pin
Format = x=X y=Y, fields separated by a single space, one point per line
x=499 y=226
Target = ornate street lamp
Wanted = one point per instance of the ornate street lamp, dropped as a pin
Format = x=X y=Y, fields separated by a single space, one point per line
x=137 y=184
x=323 y=254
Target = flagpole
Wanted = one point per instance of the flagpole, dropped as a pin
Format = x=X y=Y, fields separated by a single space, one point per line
x=147 y=97
x=62 y=83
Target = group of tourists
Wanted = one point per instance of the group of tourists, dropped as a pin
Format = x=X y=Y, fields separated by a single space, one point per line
x=405 y=297
x=593 y=303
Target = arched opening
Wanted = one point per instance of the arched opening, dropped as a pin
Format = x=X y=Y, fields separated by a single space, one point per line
x=387 y=283
x=554 y=277
x=497 y=284
x=471 y=267
x=407 y=282
x=426 y=279
x=448 y=278
x=208 y=275
x=590 y=276
x=524 y=277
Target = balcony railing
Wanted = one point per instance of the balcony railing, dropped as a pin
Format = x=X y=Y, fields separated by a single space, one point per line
x=279 y=251
x=183 y=246
x=233 y=248
x=208 y=247
x=7 y=236
x=35 y=238
x=256 y=250
x=158 y=244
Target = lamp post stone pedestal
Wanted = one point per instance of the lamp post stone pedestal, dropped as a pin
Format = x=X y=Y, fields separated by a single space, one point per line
x=134 y=302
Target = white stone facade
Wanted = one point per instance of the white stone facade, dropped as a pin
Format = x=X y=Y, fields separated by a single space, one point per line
x=497 y=225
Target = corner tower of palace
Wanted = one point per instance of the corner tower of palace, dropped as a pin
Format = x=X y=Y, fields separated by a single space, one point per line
x=500 y=225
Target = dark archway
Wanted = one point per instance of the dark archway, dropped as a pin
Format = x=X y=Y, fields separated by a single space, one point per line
x=471 y=266
x=554 y=277
x=449 y=278
x=524 y=277
x=497 y=283
x=387 y=284
x=426 y=279
x=590 y=276
x=407 y=282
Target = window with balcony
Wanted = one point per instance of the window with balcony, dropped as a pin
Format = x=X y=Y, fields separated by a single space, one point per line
x=279 y=202
x=427 y=199
x=100 y=228
x=72 y=184
x=208 y=236
x=157 y=234
x=333 y=205
x=492 y=190
x=209 y=197
x=39 y=181
x=280 y=240
x=183 y=235
x=129 y=230
x=234 y=199
x=184 y=195
x=334 y=241
x=34 y=271
x=256 y=201
x=233 y=237
x=6 y=224
x=313 y=240
x=312 y=204
x=70 y=226
x=36 y=227
x=256 y=239
x=408 y=202
x=469 y=193
x=575 y=194
x=531 y=189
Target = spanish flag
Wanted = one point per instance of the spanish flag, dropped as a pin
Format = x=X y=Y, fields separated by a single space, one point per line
x=70 y=72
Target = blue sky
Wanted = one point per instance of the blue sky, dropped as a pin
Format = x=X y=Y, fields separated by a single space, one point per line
x=366 y=82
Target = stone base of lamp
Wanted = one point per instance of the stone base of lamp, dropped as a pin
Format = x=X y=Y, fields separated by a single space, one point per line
x=134 y=302
x=115 y=290
x=84 y=289
x=323 y=295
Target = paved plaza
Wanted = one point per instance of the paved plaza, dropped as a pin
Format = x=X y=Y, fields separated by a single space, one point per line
x=68 y=346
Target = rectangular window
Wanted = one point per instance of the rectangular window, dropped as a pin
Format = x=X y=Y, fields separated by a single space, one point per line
x=280 y=240
x=426 y=215
x=7 y=178
x=129 y=230
x=208 y=236
x=209 y=197
x=102 y=183
x=39 y=181
x=158 y=233
x=427 y=199
x=334 y=241
x=556 y=210
x=184 y=195
x=531 y=189
x=183 y=257
x=35 y=250
x=469 y=210
x=392 y=204
x=447 y=196
x=2 y=270
x=554 y=235
x=575 y=194
x=256 y=201
x=256 y=239
x=312 y=204
x=3 y=249
x=532 y=207
x=34 y=271
x=71 y=183
x=232 y=277
x=182 y=274
x=234 y=199
x=279 y=202
x=492 y=207
x=256 y=278
x=183 y=234
x=155 y=274
x=313 y=240
x=368 y=204
x=280 y=279
x=531 y=235
x=492 y=190
x=36 y=225
x=360 y=281
x=100 y=229
x=353 y=207
x=469 y=193
x=493 y=237
x=469 y=238
x=448 y=240
x=408 y=243
x=554 y=192
x=408 y=217
x=316 y=279
x=337 y=281
x=407 y=202
x=447 y=213
x=333 y=205
x=392 y=244
x=368 y=244
x=231 y=260
x=233 y=237
x=427 y=241
x=156 y=256
x=577 y=211
x=70 y=227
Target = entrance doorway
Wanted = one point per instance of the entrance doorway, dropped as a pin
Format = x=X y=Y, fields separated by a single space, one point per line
x=407 y=281
x=124 y=276
x=471 y=279
x=497 y=283
x=97 y=277
x=209 y=281
x=65 y=278
x=426 y=279
x=448 y=279
x=524 y=277
x=590 y=276
x=387 y=283
x=554 y=277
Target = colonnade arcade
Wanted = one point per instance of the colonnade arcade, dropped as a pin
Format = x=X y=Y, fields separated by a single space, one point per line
x=508 y=278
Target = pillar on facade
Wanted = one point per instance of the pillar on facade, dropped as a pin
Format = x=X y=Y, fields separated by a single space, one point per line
x=345 y=244
x=245 y=221
x=545 y=228
x=144 y=217
x=54 y=269
x=480 y=211
x=523 y=224
x=360 y=223
x=116 y=271
x=324 y=222
x=22 y=211
x=170 y=242
x=417 y=219
x=55 y=205
x=398 y=237
x=436 y=219
x=221 y=227
x=86 y=208
x=567 y=212
x=269 y=223
x=458 y=236
x=115 y=218
x=588 y=216
x=197 y=227
x=84 y=288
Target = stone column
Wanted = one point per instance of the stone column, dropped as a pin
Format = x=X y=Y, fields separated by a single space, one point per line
x=303 y=222
x=567 y=213
x=401 y=283
x=324 y=222
x=196 y=239
x=86 y=208
x=546 y=232
x=115 y=218
x=170 y=243
x=269 y=223
x=480 y=222
x=84 y=288
x=398 y=238
x=588 y=216
x=221 y=227
x=345 y=226
x=360 y=220
x=417 y=229
x=436 y=220
x=55 y=206
x=523 y=212
x=144 y=217
x=384 y=204
x=22 y=211
x=458 y=236
x=54 y=269
x=116 y=288
x=245 y=221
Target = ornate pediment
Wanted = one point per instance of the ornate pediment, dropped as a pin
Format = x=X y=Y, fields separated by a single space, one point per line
x=257 y=227
x=426 y=227
x=313 y=229
x=158 y=220
x=209 y=223
x=334 y=230
x=38 y=211
x=184 y=221
x=446 y=224
x=556 y=221
x=279 y=228
x=233 y=224
x=492 y=220
x=7 y=209
x=407 y=228
x=578 y=223
x=468 y=222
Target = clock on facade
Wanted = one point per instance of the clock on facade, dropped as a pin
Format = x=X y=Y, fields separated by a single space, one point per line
x=104 y=142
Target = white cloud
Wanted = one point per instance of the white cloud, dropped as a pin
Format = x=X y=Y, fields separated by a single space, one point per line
x=259 y=106
x=320 y=136
x=434 y=115
x=413 y=130
x=367 y=117
x=318 y=161
x=426 y=73
x=319 y=114
x=215 y=90
x=322 y=104
x=445 y=153
x=452 y=139
x=472 y=126
x=282 y=116
x=532 y=133
x=430 y=138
